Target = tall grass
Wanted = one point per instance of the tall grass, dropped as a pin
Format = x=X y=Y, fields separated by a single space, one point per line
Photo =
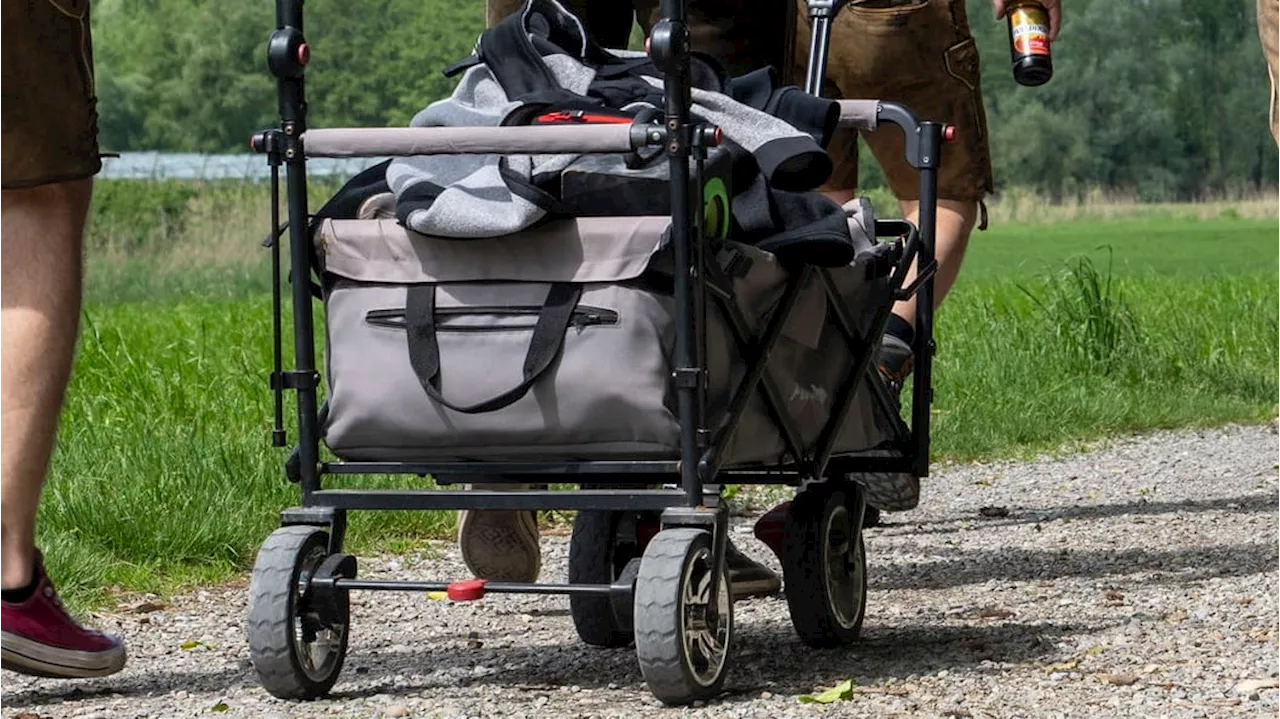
x=1087 y=315
x=173 y=237
x=1075 y=357
x=1027 y=207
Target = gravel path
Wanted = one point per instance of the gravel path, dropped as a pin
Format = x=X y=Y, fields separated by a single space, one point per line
x=1138 y=580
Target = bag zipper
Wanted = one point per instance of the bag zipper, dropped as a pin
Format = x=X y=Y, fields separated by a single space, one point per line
x=583 y=316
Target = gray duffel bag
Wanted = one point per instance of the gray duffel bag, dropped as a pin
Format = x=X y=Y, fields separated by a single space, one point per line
x=556 y=344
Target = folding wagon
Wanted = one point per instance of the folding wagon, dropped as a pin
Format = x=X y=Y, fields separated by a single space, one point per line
x=741 y=368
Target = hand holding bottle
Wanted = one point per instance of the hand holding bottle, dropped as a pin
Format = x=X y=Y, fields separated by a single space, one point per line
x=1053 y=7
x=1032 y=28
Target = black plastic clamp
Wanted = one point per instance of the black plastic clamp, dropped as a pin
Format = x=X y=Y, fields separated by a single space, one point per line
x=645 y=135
x=825 y=8
x=308 y=516
x=326 y=599
x=699 y=517
x=295 y=379
x=288 y=53
x=686 y=377
x=666 y=38
x=268 y=142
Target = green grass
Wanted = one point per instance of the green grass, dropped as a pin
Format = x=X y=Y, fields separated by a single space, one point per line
x=164 y=475
x=1187 y=248
x=1034 y=368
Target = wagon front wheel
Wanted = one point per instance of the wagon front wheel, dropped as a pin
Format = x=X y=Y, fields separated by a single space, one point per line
x=297 y=643
x=683 y=632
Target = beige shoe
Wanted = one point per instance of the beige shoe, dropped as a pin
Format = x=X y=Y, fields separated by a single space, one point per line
x=501 y=545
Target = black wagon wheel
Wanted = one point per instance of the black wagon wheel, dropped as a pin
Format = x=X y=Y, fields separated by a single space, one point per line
x=296 y=649
x=825 y=567
x=601 y=545
x=683 y=633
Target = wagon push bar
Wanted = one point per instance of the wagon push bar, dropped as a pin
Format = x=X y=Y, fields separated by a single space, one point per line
x=608 y=138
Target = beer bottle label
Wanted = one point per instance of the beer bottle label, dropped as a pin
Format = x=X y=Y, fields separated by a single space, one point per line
x=1030 y=32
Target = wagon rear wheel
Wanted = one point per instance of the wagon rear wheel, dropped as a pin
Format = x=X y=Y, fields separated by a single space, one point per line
x=602 y=544
x=825 y=567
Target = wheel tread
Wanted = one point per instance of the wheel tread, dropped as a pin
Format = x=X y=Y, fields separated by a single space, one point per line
x=270 y=587
x=593 y=616
x=804 y=573
x=657 y=596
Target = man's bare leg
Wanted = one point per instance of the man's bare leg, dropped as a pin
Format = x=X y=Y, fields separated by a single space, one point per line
x=42 y=238
x=955 y=223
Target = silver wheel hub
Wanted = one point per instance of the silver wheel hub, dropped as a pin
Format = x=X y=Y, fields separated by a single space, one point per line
x=843 y=569
x=317 y=645
x=705 y=620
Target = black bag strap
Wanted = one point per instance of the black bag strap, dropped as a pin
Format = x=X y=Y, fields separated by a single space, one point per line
x=544 y=347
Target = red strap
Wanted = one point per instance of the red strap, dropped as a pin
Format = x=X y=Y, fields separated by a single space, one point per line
x=581 y=116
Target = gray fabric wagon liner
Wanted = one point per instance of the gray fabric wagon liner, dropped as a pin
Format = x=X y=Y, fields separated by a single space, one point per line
x=609 y=395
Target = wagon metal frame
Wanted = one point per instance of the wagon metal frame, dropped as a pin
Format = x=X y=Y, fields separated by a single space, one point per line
x=299 y=616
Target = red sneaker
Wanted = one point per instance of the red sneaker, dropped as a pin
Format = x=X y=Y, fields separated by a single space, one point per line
x=40 y=638
x=771 y=528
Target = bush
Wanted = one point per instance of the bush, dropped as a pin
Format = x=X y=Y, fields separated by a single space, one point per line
x=128 y=215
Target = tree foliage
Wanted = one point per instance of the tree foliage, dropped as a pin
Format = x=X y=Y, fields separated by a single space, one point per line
x=1166 y=99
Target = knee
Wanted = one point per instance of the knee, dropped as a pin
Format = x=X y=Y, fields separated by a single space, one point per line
x=958 y=217
x=53 y=201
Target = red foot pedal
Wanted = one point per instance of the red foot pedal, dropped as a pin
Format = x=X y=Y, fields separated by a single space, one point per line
x=467 y=591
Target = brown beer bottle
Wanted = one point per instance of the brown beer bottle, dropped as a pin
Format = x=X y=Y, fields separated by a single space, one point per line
x=1029 y=42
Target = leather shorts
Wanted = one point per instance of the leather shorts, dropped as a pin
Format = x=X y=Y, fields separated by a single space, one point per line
x=49 y=108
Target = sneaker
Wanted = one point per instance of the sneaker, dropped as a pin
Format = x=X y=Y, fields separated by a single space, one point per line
x=378 y=207
x=895 y=361
x=41 y=638
x=747 y=577
x=770 y=528
x=501 y=545
x=891 y=491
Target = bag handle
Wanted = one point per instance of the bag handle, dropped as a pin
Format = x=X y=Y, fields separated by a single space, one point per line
x=544 y=347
